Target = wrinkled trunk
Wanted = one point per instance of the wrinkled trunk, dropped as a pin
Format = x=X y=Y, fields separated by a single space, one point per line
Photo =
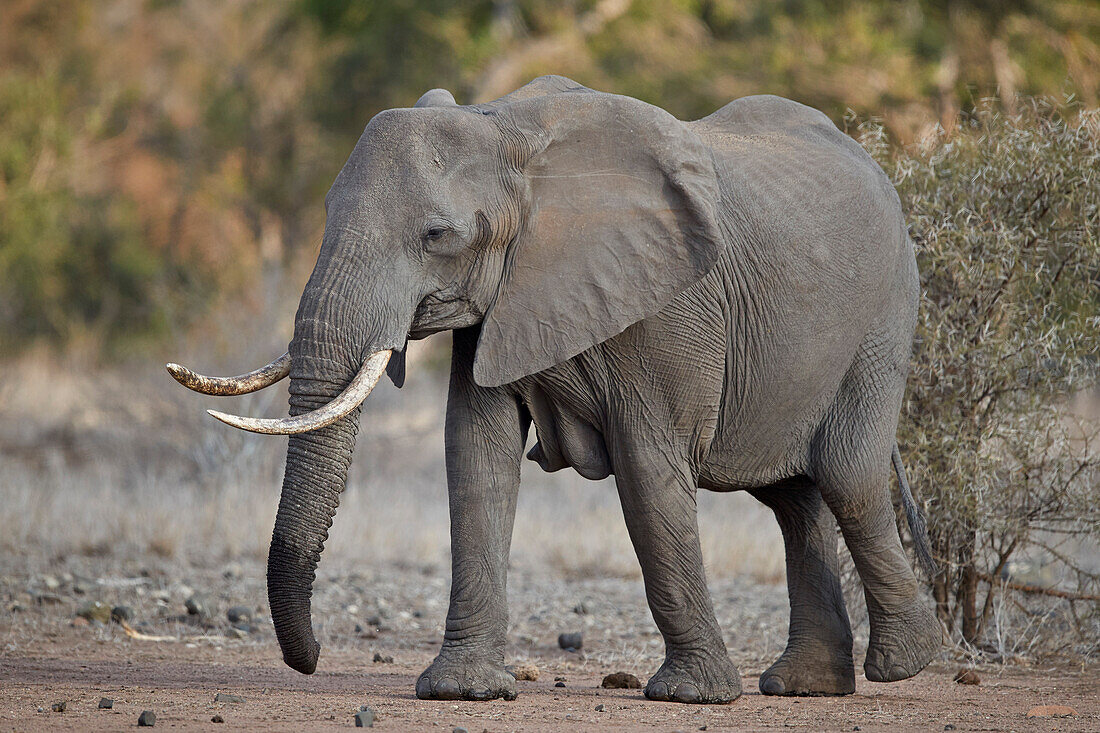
x=325 y=355
x=341 y=319
x=316 y=471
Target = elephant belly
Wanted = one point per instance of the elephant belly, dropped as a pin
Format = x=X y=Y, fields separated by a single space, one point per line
x=565 y=439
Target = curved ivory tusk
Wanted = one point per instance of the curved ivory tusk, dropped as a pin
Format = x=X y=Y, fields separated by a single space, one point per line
x=230 y=386
x=352 y=396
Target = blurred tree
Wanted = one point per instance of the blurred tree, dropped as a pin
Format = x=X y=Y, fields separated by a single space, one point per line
x=193 y=142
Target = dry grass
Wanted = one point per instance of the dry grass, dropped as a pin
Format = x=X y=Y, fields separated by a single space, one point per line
x=122 y=461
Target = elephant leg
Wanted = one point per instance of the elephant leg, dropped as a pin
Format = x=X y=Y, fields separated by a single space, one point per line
x=485 y=435
x=658 y=500
x=818 y=657
x=852 y=470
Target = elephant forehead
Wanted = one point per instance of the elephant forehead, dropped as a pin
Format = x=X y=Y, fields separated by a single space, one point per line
x=410 y=151
x=427 y=137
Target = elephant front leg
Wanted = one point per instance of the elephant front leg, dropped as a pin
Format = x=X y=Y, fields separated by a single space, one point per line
x=818 y=657
x=485 y=435
x=659 y=505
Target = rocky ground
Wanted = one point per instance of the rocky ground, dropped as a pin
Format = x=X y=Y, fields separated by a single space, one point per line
x=380 y=628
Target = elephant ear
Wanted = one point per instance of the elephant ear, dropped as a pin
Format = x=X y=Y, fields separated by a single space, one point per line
x=622 y=217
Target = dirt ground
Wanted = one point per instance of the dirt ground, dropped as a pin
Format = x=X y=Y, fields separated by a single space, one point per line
x=179 y=685
x=45 y=659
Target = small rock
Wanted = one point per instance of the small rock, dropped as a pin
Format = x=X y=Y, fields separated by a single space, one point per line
x=106 y=703
x=571 y=642
x=197 y=605
x=225 y=697
x=239 y=615
x=460 y=729
x=703 y=726
x=147 y=719
x=600 y=708
x=122 y=613
x=236 y=632
x=525 y=671
x=364 y=718
x=59 y=706
x=621 y=681
x=580 y=609
x=1051 y=711
x=217 y=719
x=949 y=726
x=95 y=611
x=967 y=676
x=559 y=683
x=379 y=658
x=51 y=582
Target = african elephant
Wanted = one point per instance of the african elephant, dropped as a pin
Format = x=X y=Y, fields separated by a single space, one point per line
x=725 y=304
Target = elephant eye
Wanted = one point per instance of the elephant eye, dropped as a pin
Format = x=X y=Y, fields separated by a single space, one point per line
x=435 y=233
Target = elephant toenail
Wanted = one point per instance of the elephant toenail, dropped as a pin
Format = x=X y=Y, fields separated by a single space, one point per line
x=447 y=689
x=480 y=694
x=872 y=673
x=656 y=691
x=424 y=687
x=686 y=692
x=772 y=685
x=897 y=672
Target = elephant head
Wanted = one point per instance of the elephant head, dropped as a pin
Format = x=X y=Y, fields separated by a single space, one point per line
x=555 y=217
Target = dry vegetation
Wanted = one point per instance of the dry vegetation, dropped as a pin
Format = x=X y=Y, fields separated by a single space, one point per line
x=126 y=463
x=998 y=430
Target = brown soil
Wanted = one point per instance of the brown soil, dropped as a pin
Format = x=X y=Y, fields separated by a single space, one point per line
x=178 y=682
x=398 y=613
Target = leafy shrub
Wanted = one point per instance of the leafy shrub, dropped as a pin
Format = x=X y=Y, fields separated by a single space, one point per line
x=1005 y=215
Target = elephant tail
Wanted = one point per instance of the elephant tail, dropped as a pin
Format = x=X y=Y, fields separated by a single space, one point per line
x=917 y=526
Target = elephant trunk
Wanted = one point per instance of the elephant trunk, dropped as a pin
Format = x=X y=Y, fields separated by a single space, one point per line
x=342 y=341
x=316 y=471
x=324 y=359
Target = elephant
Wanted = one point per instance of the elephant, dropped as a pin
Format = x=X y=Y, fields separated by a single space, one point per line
x=725 y=304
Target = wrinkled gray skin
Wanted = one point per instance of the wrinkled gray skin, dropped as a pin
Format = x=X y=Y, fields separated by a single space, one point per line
x=725 y=304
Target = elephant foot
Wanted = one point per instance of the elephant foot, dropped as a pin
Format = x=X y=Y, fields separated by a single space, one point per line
x=806 y=673
x=694 y=678
x=902 y=645
x=455 y=679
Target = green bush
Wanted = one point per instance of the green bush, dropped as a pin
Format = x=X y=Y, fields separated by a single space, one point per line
x=1005 y=215
x=72 y=263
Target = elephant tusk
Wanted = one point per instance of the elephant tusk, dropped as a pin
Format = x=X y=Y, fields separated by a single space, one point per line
x=352 y=396
x=231 y=386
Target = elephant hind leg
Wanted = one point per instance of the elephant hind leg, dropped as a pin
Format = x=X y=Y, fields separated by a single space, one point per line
x=851 y=466
x=818 y=657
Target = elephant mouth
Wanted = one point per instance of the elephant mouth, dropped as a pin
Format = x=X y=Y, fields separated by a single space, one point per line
x=442 y=311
